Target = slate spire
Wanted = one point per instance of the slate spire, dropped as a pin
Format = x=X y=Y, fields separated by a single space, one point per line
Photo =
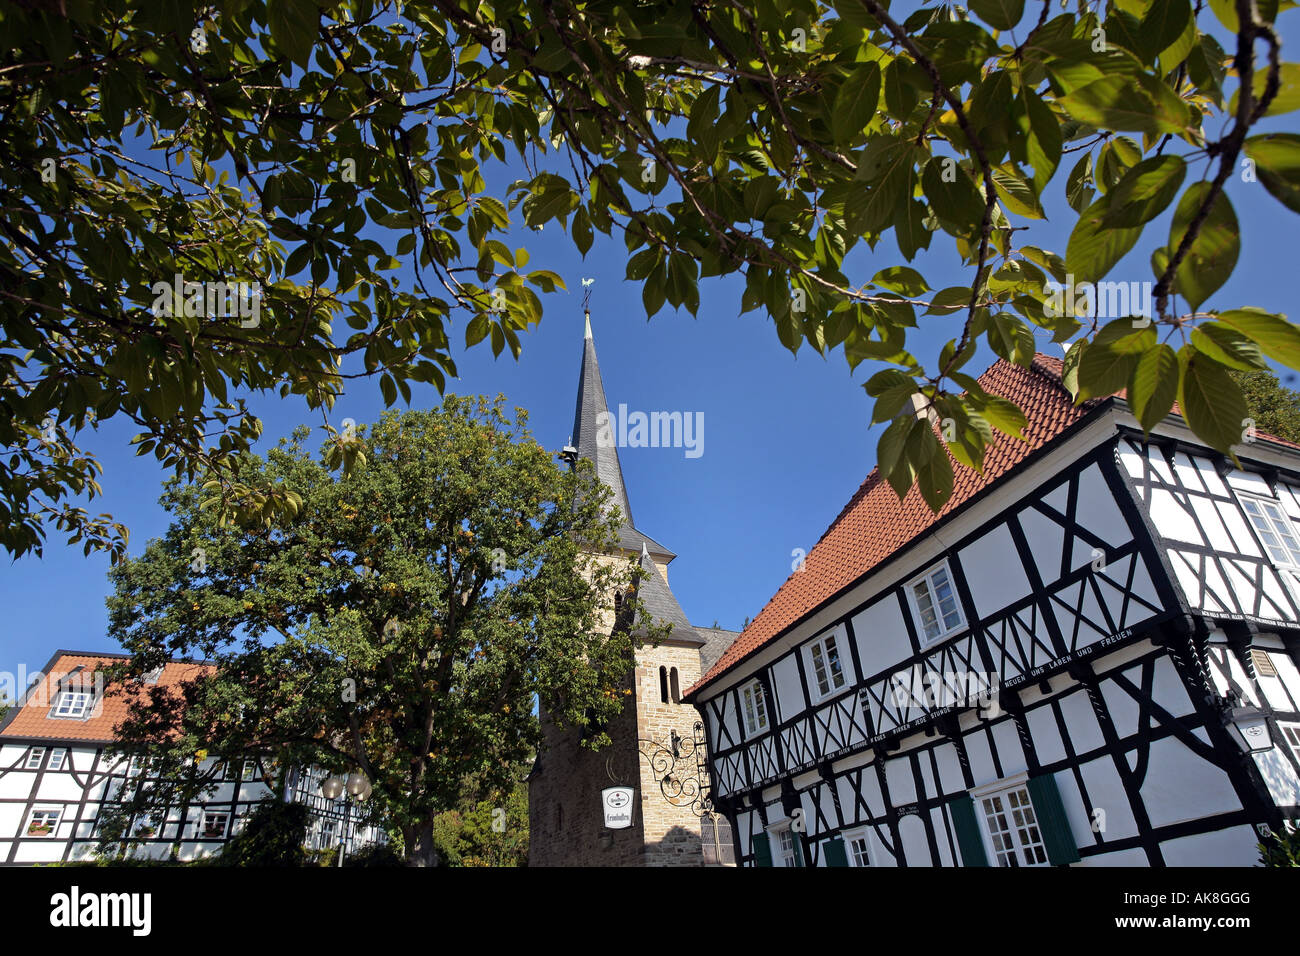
x=591 y=411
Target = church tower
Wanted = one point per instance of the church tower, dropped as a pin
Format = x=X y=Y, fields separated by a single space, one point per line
x=566 y=815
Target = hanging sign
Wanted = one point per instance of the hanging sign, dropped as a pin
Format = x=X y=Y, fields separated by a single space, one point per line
x=617 y=804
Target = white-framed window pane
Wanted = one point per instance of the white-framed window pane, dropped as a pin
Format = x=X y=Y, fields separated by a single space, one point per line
x=57 y=758
x=44 y=822
x=929 y=619
x=1013 y=829
x=819 y=670
x=833 y=662
x=71 y=704
x=214 y=825
x=1291 y=734
x=858 y=851
x=34 y=758
x=947 y=599
x=1275 y=530
x=785 y=840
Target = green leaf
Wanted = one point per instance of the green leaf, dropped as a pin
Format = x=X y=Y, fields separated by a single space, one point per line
x=1078 y=185
x=1277 y=165
x=950 y=300
x=901 y=279
x=1165 y=22
x=1288 y=92
x=476 y=330
x=1276 y=337
x=294 y=25
x=1210 y=400
x=1154 y=386
x=1043 y=146
x=1228 y=347
x=1111 y=358
x=1004 y=415
x=952 y=194
x=999 y=14
x=890 y=454
x=1213 y=253
x=1145 y=191
x=855 y=103
x=1016 y=192
x=1094 y=246
x=1141 y=103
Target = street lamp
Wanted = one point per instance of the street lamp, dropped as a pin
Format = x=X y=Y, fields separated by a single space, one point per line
x=354 y=786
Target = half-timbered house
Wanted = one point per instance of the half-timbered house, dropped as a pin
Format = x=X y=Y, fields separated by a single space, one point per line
x=1088 y=657
x=58 y=774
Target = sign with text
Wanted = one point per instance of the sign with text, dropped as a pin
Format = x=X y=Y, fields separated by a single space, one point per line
x=617 y=803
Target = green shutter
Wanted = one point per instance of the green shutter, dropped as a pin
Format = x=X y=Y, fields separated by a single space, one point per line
x=798 y=848
x=969 y=837
x=762 y=852
x=834 y=851
x=1052 y=821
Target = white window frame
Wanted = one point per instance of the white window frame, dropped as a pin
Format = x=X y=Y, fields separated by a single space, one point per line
x=248 y=770
x=54 y=825
x=1292 y=561
x=1290 y=737
x=776 y=833
x=35 y=757
x=58 y=758
x=925 y=578
x=868 y=850
x=64 y=711
x=826 y=644
x=762 y=720
x=1004 y=789
x=203 y=824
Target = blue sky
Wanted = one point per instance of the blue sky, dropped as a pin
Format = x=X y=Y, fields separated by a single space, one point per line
x=786 y=438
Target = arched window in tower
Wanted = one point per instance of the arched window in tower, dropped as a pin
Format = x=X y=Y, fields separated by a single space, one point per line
x=677 y=688
x=663 y=685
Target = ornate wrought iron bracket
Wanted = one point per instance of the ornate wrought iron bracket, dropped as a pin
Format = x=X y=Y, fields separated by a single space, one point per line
x=680 y=766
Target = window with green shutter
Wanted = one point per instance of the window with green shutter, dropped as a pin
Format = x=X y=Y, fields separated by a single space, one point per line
x=1059 y=840
x=834 y=852
x=970 y=840
x=762 y=851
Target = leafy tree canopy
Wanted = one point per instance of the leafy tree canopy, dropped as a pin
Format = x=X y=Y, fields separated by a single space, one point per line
x=485 y=831
x=405 y=623
x=311 y=146
x=1273 y=407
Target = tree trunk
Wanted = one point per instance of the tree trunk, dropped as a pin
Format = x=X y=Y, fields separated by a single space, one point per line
x=419 y=845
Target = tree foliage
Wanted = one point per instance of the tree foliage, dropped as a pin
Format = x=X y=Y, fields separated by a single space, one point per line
x=313 y=146
x=273 y=835
x=1273 y=407
x=485 y=831
x=404 y=623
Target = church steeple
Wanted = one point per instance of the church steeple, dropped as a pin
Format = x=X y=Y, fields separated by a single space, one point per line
x=593 y=410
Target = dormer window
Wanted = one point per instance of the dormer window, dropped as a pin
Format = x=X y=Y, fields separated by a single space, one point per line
x=151 y=676
x=72 y=704
x=934 y=599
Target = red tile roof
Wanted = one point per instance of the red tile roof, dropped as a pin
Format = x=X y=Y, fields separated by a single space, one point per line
x=32 y=718
x=875 y=524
